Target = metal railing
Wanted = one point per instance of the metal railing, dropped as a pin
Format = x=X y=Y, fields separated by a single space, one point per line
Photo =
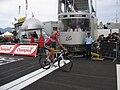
x=109 y=50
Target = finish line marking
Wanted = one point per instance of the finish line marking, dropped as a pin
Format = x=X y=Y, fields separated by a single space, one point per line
x=5 y=60
x=29 y=78
x=118 y=76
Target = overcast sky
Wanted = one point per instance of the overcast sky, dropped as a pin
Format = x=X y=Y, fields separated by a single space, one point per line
x=46 y=10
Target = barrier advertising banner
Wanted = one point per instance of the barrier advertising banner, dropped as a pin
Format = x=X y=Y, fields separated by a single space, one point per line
x=28 y=50
x=7 y=49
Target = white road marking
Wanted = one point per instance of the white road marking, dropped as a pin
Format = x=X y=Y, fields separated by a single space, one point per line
x=5 y=60
x=118 y=76
x=28 y=79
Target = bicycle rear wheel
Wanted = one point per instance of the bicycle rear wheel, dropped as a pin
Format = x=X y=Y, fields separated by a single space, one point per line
x=65 y=64
x=45 y=64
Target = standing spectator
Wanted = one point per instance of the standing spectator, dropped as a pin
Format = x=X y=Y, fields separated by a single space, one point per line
x=118 y=36
x=35 y=35
x=88 y=44
x=15 y=40
x=101 y=38
x=11 y=39
x=109 y=38
x=41 y=41
x=31 y=39
x=115 y=37
x=41 y=44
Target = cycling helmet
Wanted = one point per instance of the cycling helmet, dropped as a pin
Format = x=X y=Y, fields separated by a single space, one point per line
x=58 y=33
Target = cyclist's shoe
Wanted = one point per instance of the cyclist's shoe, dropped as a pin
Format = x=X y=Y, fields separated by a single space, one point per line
x=53 y=65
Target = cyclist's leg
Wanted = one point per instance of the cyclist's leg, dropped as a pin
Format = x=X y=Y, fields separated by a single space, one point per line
x=52 y=53
x=47 y=47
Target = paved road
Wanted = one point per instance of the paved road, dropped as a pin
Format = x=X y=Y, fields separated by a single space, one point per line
x=85 y=75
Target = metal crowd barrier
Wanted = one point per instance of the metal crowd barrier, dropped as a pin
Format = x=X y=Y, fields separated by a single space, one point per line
x=109 y=50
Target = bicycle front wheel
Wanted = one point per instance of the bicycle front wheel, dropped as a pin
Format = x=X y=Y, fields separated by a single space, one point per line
x=65 y=64
x=45 y=64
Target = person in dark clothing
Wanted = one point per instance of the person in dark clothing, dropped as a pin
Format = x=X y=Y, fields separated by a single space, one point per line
x=35 y=35
x=109 y=38
x=101 y=38
x=115 y=38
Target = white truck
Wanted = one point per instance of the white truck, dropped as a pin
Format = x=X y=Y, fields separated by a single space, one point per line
x=72 y=13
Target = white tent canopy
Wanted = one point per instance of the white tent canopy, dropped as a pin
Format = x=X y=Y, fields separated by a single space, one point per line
x=7 y=34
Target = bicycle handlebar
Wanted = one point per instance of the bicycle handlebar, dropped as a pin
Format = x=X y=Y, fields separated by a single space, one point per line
x=62 y=51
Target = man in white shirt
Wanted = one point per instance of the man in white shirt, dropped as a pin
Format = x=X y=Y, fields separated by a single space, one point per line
x=88 y=44
x=77 y=29
x=69 y=29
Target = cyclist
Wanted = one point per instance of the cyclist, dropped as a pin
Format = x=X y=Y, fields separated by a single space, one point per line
x=49 y=44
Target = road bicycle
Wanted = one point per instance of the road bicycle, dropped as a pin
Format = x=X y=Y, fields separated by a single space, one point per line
x=62 y=60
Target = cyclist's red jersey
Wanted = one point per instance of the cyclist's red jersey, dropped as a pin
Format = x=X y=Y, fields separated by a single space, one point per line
x=51 y=40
